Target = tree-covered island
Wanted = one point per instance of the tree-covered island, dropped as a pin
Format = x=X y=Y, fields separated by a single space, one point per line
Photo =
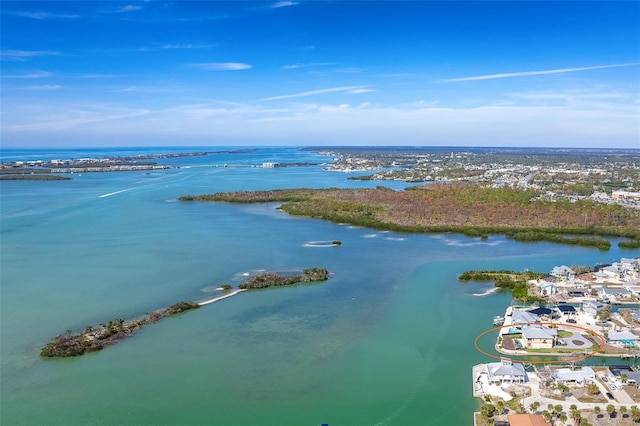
x=515 y=281
x=93 y=339
x=469 y=209
x=270 y=279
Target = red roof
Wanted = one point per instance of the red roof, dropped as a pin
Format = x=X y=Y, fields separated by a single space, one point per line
x=527 y=420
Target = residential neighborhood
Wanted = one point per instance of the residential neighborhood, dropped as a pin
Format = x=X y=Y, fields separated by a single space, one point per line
x=588 y=327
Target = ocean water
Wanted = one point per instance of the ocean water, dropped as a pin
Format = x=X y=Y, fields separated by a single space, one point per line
x=388 y=340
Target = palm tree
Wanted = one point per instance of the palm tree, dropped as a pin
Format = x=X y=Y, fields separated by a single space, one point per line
x=534 y=406
x=635 y=413
x=557 y=409
x=611 y=409
x=623 y=410
x=597 y=410
x=563 y=418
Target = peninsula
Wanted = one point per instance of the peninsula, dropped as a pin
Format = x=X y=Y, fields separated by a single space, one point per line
x=470 y=209
x=93 y=339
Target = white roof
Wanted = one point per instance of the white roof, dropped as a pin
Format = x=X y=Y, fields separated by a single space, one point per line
x=622 y=335
x=568 y=375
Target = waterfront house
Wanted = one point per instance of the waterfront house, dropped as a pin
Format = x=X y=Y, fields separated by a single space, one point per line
x=563 y=273
x=546 y=288
x=624 y=337
x=567 y=311
x=581 y=376
x=610 y=271
x=539 y=336
x=614 y=294
x=506 y=371
x=591 y=307
x=519 y=316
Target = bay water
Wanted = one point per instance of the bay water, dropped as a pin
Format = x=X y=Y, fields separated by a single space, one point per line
x=388 y=340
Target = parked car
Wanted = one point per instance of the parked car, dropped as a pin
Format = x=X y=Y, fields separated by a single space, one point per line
x=572 y=321
x=604 y=379
x=609 y=395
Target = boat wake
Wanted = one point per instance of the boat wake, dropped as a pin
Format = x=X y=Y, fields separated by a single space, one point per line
x=319 y=244
x=114 y=193
x=486 y=293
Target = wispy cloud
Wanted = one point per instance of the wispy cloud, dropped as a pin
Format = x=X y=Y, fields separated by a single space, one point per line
x=44 y=87
x=283 y=4
x=358 y=91
x=223 y=66
x=171 y=46
x=309 y=65
x=36 y=74
x=346 y=89
x=23 y=55
x=544 y=72
x=44 y=15
x=128 y=8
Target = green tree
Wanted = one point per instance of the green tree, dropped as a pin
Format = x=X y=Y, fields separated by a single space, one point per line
x=611 y=409
x=597 y=410
x=557 y=409
x=593 y=389
x=635 y=413
x=623 y=410
x=534 y=406
x=563 y=418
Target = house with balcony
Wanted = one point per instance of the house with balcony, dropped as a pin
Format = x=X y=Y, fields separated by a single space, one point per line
x=538 y=336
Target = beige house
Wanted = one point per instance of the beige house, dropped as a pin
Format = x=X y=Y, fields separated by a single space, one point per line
x=538 y=336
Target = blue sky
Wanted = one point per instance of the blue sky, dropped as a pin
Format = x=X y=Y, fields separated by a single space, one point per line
x=501 y=73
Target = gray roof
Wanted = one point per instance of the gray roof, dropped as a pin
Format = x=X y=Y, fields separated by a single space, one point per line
x=538 y=332
x=506 y=369
x=615 y=291
x=521 y=317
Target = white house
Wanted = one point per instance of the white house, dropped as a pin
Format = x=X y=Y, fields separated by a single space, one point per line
x=522 y=317
x=547 y=288
x=582 y=376
x=591 y=307
x=622 y=336
x=614 y=294
x=506 y=371
x=563 y=272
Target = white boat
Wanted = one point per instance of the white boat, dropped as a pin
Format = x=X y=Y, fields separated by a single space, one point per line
x=498 y=320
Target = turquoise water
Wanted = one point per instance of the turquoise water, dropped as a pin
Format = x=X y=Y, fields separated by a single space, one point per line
x=388 y=340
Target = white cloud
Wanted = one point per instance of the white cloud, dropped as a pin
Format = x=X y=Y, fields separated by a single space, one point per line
x=45 y=87
x=45 y=15
x=33 y=75
x=129 y=8
x=312 y=93
x=309 y=65
x=358 y=91
x=223 y=66
x=283 y=4
x=530 y=73
x=23 y=55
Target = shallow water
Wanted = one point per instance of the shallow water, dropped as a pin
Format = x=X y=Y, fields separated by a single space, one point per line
x=387 y=340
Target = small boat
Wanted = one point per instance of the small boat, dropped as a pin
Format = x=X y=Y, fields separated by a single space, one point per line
x=498 y=320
